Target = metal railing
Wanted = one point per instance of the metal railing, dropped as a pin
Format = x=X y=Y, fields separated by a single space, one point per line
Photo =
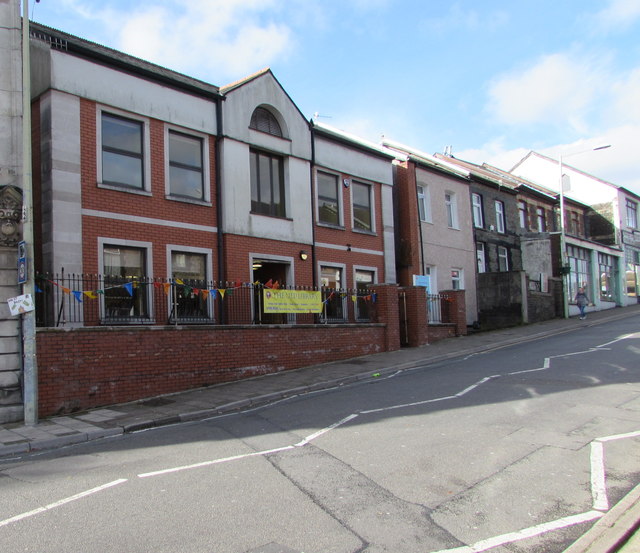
x=92 y=300
x=437 y=309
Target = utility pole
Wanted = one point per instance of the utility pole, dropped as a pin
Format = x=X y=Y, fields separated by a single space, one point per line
x=30 y=367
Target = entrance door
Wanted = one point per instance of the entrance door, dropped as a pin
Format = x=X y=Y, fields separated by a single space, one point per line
x=270 y=274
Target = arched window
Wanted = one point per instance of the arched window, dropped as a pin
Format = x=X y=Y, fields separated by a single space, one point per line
x=263 y=120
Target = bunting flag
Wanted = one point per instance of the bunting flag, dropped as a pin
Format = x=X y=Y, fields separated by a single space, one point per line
x=128 y=286
x=91 y=295
x=221 y=291
x=167 y=287
x=78 y=295
x=268 y=284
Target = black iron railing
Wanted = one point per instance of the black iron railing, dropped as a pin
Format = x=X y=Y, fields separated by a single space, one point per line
x=91 y=300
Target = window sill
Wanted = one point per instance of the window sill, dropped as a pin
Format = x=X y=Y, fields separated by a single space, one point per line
x=271 y=216
x=127 y=189
x=329 y=225
x=187 y=200
x=367 y=232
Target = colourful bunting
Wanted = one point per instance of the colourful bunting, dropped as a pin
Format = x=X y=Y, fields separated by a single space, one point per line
x=128 y=286
x=78 y=296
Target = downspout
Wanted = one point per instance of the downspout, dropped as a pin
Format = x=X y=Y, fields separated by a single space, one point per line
x=314 y=271
x=218 y=176
x=422 y=263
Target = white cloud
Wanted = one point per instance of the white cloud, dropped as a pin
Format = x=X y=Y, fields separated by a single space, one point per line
x=228 y=39
x=618 y=16
x=625 y=93
x=617 y=164
x=557 y=89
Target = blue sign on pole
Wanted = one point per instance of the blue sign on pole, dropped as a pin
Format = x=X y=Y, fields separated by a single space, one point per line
x=22 y=262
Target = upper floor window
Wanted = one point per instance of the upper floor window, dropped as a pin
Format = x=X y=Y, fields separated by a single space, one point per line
x=122 y=158
x=541 y=219
x=451 y=209
x=362 y=206
x=500 y=227
x=186 y=165
x=503 y=259
x=457 y=279
x=267 y=184
x=522 y=213
x=632 y=214
x=476 y=203
x=328 y=198
x=424 y=203
x=263 y=120
x=481 y=257
x=574 y=223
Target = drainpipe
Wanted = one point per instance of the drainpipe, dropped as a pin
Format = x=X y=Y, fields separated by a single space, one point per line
x=218 y=175
x=314 y=272
x=30 y=367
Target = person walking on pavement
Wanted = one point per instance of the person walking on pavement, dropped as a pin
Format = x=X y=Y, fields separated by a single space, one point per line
x=582 y=301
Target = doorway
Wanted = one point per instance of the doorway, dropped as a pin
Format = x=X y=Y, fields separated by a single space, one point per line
x=270 y=274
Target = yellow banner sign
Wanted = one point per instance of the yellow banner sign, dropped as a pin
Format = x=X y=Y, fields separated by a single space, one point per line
x=291 y=301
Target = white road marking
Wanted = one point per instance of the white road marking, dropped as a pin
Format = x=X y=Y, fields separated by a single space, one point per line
x=215 y=461
x=61 y=502
x=620 y=436
x=504 y=539
x=325 y=430
x=598 y=478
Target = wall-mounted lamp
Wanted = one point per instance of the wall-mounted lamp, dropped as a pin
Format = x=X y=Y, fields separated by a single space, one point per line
x=303 y=255
x=348 y=247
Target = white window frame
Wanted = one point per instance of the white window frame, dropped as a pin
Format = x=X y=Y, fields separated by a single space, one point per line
x=541 y=219
x=372 y=205
x=503 y=254
x=476 y=205
x=424 y=200
x=500 y=222
x=146 y=150
x=357 y=268
x=208 y=253
x=339 y=185
x=206 y=174
x=343 y=273
x=632 y=214
x=523 y=214
x=148 y=247
x=481 y=257
x=459 y=279
x=451 y=208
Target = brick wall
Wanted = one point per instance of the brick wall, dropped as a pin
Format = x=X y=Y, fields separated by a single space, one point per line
x=80 y=369
x=83 y=368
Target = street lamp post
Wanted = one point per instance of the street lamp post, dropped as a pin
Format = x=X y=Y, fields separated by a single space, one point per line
x=563 y=249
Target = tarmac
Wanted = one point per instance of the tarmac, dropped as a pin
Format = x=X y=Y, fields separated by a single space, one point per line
x=617 y=531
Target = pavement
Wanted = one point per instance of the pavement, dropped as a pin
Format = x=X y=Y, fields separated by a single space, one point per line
x=617 y=531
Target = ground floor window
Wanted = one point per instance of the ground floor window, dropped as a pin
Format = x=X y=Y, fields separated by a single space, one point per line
x=333 y=297
x=457 y=280
x=579 y=274
x=126 y=290
x=632 y=273
x=189 y=274
x=364 y=280
x=606 y=264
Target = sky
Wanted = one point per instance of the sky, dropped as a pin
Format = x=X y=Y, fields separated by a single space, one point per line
x=492 y=79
